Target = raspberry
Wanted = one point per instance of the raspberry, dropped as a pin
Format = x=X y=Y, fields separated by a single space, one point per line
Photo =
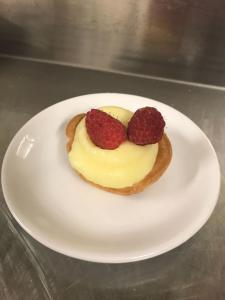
x=105 y=131
x=146 y=126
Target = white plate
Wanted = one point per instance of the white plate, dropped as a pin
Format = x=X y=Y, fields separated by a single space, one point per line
x=68 y=215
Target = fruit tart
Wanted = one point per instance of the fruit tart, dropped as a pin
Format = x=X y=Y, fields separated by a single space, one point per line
x=117 y=150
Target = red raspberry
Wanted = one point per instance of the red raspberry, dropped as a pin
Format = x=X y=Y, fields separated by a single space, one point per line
x=104 y=131
x=146 y=126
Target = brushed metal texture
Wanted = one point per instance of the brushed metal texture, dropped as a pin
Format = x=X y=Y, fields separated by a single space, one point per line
x=29 y=270
x=168 y=38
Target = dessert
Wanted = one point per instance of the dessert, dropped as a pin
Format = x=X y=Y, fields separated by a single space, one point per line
x=117 y=150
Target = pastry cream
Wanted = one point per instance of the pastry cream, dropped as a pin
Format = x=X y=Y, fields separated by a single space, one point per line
x=118 y=168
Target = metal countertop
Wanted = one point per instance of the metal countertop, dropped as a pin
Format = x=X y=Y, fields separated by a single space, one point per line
x=29 y=270
x=169 y=38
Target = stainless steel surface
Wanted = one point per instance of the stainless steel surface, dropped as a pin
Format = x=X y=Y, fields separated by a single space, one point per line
x=168 y=38
x=28 y=270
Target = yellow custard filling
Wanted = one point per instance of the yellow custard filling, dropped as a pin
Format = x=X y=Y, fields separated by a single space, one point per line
x=118 y=168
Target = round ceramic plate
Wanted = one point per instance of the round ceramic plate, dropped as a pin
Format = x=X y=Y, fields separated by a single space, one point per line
x=68 y=215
